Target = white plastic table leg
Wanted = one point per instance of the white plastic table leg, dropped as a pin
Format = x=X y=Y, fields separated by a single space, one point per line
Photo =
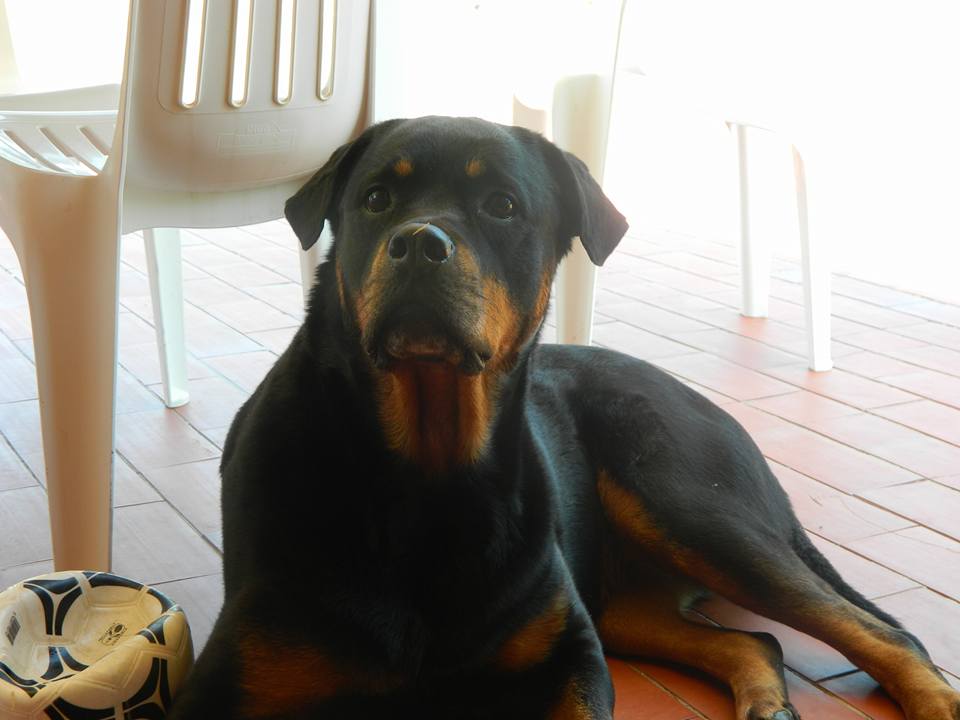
x=166 y=290
x=310 y=259
x=816 y=279
x=581 y=123
x=754 y=256
x=69 y=257
x=576 y=285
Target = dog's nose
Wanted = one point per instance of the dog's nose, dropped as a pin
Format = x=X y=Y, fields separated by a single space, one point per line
x=420 y=242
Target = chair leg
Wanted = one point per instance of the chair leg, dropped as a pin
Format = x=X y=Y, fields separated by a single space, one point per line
x=575 y=295
x=816 y=279
x=72 y=293
x=310 y=259
x=166 y=291
x=754 y=256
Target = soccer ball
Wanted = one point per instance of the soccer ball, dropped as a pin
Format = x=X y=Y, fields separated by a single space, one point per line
x=90 y=645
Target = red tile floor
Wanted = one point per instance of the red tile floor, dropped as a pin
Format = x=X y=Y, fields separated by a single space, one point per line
x=869 y=453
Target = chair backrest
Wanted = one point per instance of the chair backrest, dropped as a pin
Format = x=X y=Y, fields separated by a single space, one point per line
x=232 y=95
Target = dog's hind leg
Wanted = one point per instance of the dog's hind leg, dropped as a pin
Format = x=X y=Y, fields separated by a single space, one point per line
x=798 y=586
x=649 y=623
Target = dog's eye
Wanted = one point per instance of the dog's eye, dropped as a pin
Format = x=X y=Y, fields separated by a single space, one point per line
x=500 y=206
x=378 y=199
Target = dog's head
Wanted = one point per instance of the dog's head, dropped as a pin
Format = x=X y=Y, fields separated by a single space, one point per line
x=447 y=236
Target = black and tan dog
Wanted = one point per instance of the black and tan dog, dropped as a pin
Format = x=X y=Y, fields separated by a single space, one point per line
x=426 y=514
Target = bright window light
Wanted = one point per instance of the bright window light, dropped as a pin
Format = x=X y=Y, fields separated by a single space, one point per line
x=285 y=49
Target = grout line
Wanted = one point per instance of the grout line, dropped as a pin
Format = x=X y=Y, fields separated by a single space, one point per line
x=660 y=686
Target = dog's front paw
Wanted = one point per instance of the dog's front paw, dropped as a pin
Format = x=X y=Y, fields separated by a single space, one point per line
x=936 y=705
x=772 y=710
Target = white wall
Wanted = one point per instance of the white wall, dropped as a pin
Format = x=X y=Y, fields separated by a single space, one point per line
x=868 y=88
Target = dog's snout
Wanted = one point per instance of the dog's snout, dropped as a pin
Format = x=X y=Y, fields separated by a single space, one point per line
x=418 y=242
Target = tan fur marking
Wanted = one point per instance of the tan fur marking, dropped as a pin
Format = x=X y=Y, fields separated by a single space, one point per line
x=572 y=705
x=431 y=413
x=630 y=519
x=368 y=299
x=403 y=167
x=475 y=167
x=532 y=644
x=279 y=679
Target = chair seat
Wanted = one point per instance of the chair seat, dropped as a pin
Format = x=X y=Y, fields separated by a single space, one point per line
x=62 y=143
x=89 y=644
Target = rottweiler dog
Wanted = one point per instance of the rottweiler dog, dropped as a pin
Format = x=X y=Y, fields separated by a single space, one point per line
x=427 y=514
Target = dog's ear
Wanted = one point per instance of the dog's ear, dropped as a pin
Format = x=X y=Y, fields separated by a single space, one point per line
x=587 y=212
x=319 y=199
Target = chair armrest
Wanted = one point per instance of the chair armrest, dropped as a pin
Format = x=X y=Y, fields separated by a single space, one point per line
x=98 y=97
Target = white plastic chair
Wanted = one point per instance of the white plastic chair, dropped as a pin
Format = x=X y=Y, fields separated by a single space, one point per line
x=224 y=109
x=578 y=117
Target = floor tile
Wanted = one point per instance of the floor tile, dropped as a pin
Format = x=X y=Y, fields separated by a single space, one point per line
x=208 y=256
x=928 y=503
x=842 y=467
x=929 y=384
x=13 y=473
x=869 y=314
x=132 y=395
x=638 y=343
x=637 y=697
x=246 y=275
x=201 y=599
x=723 y=376
x=250 y=315
x=210 y=290
x=206 y=335
x=934 y=334
x=869 y=578
x=813 y=702
x=882 y=341
x=737 y=349
x=129 y=488
x=928 y=615
x=803 y=407
x=152 y=544
x=931 y=357
x=928 y=417
x=895 y=443
x=831 y=514
x=26 y=527
x=213 y=402
x=158 y=438
x=143 y=361
x=194 y=490
x=841 y=386
x=18 y=380
x=918 y=553
x=13 y=575
x=871 y=364
x=653 y=319
x=245 y=369
x=872 y=293
x=287 y=297
x=933 y=310
x=708 y=696
x=275 y=341
x=863 y=692
x=952 y=481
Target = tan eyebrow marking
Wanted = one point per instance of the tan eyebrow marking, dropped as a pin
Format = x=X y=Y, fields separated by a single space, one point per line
x=403 y=167
x=475 y=167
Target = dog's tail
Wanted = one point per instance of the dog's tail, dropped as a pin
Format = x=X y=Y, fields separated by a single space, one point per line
x=815 y=560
